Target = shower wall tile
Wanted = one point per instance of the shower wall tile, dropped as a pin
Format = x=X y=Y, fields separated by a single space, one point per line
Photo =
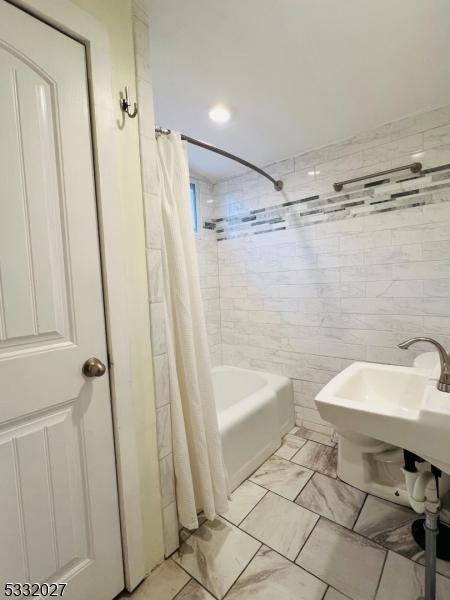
x=155 y=277
x=208 y=265
x=161 y=375
x=152 y=200
x=170 y=525
x=158 y=328
x=311 y=280
x=164 y=430
x=167 y=480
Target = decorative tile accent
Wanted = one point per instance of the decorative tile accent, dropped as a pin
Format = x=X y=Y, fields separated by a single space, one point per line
x=194 y=591
x=392 y=194
x=404 y=580
x=270 y=576
x=333 y=499
x=243 y=500
x=317 y=457
x=216 y=554
x=280 y=524
x=162 y=584
x=348 y=562
x=282 y=477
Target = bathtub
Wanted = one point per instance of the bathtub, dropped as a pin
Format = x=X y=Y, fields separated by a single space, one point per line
x=255 y=409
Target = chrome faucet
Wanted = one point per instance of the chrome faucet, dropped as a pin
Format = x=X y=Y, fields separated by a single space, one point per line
x=443 y=384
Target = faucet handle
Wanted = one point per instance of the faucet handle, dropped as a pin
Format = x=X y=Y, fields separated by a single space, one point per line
x=444 y=379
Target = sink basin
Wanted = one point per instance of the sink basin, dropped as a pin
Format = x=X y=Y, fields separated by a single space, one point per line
x=396 y=405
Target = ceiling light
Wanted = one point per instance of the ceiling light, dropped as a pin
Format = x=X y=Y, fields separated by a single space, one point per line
x=311 y=172
x=219 y=114
x=314 y=172
x=417 y=155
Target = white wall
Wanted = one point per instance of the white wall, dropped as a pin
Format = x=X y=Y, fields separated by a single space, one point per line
x=307 y=300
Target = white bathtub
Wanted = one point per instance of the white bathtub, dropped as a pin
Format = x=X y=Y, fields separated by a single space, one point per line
x=255 y=409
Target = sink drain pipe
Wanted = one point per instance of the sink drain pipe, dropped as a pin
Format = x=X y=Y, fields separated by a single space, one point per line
x=423 y=492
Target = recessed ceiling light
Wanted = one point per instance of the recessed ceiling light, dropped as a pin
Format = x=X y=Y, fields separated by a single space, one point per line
x=314 y=172
x=311 y=172
x=418 y=155
x=219 y=114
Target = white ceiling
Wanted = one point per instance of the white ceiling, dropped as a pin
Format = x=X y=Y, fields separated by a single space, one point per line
x=297 y=74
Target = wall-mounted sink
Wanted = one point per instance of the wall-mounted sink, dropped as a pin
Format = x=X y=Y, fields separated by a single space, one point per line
x=397 y=405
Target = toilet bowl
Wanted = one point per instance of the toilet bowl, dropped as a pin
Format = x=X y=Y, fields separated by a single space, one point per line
x=371 y=466
x=374 y=466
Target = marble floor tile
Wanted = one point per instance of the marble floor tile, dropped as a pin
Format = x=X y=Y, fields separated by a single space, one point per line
x=315 y=436
x=333 y=499
x=291 y=444
x=282 y=477
x=280 y=524
x=162 y=584
x=194 y=591
x=333 y=594
x=216 y=554
x=404 y=580
x=243 y=500
x=184 y=533
x=389 y=525
x=317 y=457
x=348 y=562
x=271 y=577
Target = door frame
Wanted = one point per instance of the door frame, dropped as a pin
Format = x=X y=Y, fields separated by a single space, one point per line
x=73 y=21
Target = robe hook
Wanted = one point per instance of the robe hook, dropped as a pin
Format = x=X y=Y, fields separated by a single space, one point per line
x=125 y=105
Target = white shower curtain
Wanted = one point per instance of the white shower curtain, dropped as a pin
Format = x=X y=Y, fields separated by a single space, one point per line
x=201 y=480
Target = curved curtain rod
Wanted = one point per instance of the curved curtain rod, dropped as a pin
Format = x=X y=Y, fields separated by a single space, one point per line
x=277 y=183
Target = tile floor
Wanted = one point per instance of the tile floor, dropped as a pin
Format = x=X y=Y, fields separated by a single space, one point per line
x=296 y=532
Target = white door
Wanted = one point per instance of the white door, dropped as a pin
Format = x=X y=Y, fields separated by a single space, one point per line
x=59 y=517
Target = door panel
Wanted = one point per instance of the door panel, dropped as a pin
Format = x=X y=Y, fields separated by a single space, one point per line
x=58 y=499
x=33 y=287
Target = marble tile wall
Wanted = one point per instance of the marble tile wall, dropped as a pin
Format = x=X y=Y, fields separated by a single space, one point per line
x=307 y=300
x=208 y=264
x=154 y=266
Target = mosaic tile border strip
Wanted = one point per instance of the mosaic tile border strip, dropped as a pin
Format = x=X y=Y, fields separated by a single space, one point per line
x=431 y=186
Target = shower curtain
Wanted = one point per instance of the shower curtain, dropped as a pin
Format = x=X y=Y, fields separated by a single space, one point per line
x=201 y=480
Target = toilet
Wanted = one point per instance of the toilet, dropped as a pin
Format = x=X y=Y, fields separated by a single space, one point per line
x=374 y=466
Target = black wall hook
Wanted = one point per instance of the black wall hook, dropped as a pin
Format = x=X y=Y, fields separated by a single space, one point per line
x=125 y=105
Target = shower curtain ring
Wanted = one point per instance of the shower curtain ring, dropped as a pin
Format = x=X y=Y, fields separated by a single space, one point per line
x=125 y=105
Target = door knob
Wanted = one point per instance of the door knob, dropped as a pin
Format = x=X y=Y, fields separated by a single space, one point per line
x=93 y=367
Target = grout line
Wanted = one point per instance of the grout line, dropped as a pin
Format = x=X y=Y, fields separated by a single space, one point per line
x=244 y=569
x=381 y=572
x=251 y=510
x=359 y=512
x=184 y=586
x=305 y=542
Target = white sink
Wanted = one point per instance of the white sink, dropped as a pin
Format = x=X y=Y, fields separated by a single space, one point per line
x=397 y=405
